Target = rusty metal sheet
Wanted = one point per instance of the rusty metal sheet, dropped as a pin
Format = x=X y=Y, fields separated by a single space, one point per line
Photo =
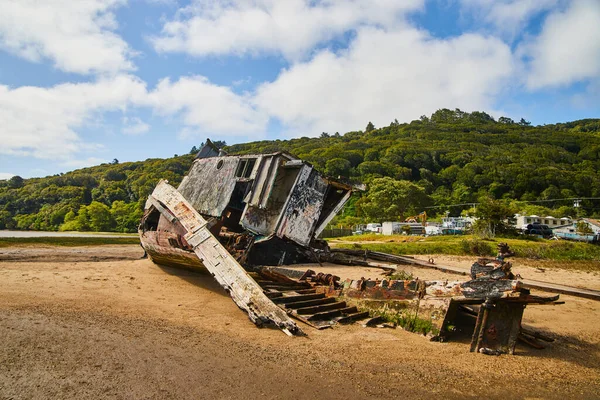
x=489 y=288
x=210 y=183
x=303 y=208
x=244 y=291
x=502 y=327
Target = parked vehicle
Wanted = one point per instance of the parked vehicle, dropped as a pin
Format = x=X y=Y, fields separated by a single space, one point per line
x=373 y=228
x=539 y=230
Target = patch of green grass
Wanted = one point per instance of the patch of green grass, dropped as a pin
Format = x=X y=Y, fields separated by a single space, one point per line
x=557 y=250
x=477 y=247
x=531 y=248
x=410 y=322
x=401 y=275
x=67 y=241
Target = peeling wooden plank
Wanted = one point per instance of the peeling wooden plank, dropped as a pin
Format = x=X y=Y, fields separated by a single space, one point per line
x=244 y=291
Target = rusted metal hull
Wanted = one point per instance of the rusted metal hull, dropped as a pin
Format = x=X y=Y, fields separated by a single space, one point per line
x=162 y=252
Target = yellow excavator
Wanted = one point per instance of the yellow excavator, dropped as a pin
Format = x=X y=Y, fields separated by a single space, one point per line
x=422 y=218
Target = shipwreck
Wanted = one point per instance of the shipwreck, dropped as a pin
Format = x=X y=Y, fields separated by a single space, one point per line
x=265 y=209
x=244 y=218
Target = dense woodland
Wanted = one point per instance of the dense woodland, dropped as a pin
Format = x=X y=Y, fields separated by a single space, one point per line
x=443 y=163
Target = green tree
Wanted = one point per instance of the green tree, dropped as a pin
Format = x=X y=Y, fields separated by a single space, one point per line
x=15 y=182
x=6 y=220
x=94 y=217
x=523 y=122
x=25 y=221
x=126 y=216
x=495 y=217
x=83 y=220
x=115 y=175
x=505 y=120
x=100 y=219
x=370 y=127
x=391 y=200
x=337 y=167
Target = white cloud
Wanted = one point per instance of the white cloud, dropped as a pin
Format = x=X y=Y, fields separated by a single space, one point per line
x=43 y=122
x=78 y=36
x=205 y=107
x=134 y=126
x=568 y=48
x=589 y=98
x=291 y=27
x=6 y=175
x=46 y=122
x=386 y=75
x=508 y=17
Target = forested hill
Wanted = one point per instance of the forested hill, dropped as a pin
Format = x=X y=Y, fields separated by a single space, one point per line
x=452 y=157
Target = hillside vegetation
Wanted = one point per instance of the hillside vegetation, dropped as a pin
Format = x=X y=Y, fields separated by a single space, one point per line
x=449 y=158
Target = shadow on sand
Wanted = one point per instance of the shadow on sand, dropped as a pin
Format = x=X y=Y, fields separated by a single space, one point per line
x=197 y=277
x=567 y=348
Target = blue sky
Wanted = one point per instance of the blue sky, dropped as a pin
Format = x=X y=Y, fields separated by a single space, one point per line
x=83 y=82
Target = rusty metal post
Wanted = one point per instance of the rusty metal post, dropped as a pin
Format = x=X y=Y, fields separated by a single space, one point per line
x=476 y=329
x=487 y=305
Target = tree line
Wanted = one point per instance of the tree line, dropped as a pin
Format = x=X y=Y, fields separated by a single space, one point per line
x=451 y=157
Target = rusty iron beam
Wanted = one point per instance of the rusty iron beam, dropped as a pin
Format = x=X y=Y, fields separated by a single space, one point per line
x=302 y=297
x=476 y=330
x=353 y=317
x=321 y=308
x=244 y=291
x=325 y=315
x=310 y=303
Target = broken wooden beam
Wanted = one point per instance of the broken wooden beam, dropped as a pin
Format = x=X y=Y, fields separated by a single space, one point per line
x=533 y=342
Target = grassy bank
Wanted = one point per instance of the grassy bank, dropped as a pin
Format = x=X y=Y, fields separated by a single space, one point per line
x=537 y=249
x=67 y=241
